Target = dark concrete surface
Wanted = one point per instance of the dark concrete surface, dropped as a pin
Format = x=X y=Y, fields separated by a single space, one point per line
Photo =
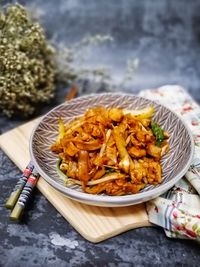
x=165 y=37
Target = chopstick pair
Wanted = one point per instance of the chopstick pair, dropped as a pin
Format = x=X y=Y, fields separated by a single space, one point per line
x=24 y=187
x=22 y=192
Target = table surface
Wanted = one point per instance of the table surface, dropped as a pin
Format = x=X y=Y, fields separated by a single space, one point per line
x=165 y=37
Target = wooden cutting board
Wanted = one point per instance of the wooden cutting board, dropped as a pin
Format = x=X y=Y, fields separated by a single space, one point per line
x=93 y=223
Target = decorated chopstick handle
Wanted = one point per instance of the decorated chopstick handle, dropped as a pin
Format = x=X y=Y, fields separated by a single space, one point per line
x=10 y=203
x=25 y=196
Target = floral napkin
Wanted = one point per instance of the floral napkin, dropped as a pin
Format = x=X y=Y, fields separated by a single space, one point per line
x=178 y=210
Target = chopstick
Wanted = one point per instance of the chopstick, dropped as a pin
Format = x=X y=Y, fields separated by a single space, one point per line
x=25 y=196
x=10 y=203
x=22 y=191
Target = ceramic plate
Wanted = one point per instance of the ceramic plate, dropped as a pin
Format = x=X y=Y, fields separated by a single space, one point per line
x=174 y=164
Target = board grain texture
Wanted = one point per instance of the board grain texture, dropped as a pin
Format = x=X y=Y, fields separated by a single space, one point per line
x=93 y=223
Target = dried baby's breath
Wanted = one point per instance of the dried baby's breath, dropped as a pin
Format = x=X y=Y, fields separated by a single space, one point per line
x=94 y=40
x=27 y=71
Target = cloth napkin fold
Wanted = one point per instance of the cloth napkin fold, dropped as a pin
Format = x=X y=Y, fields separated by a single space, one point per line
x=178 y=210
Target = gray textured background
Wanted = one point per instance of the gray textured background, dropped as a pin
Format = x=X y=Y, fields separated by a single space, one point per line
x=165 y=37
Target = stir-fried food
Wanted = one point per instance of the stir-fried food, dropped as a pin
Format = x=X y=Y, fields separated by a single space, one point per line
x=111 y=150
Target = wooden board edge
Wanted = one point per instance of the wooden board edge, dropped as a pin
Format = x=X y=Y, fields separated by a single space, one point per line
x=117 y=232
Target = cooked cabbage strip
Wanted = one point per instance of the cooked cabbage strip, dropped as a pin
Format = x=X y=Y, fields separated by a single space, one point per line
x=103 y=148
x=61 y=130
x=121 y=146
x=144 y=113
x=107 y=177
